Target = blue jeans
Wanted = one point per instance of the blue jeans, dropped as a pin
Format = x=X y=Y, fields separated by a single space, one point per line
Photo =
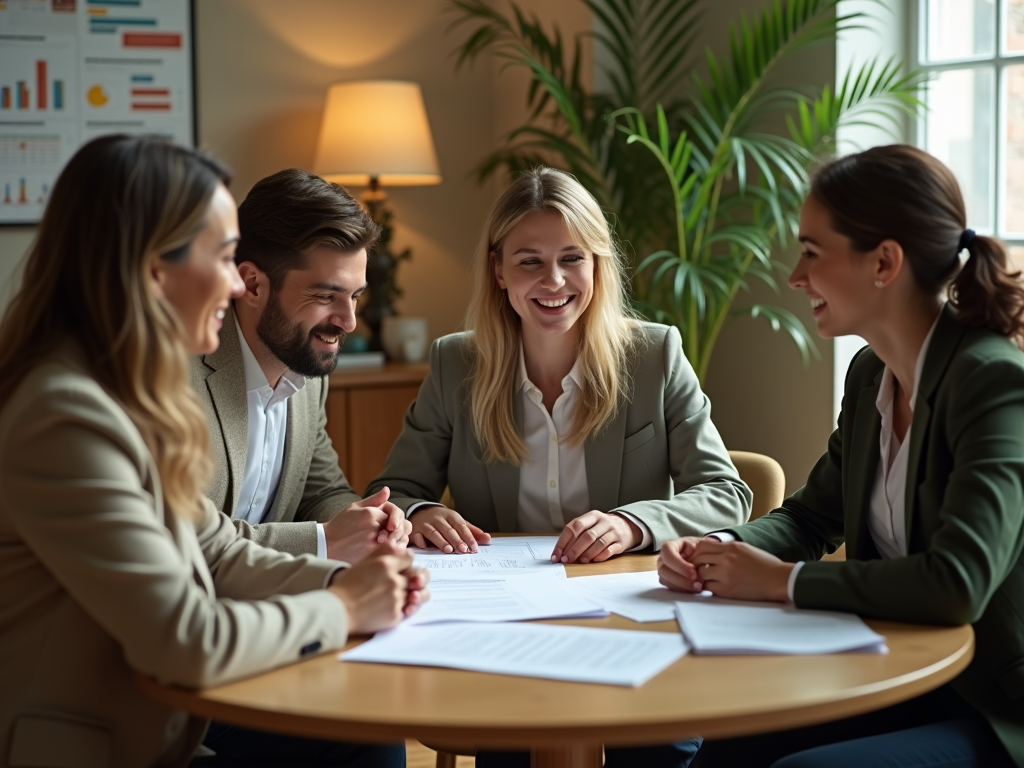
x=937 y=729
x=661 y=756
x=237 y=746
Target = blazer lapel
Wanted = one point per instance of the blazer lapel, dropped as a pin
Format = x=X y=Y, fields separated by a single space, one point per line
x=943 y=344
x=603 y=455
x=862 y=448
x=227 y=391
x=504 y=482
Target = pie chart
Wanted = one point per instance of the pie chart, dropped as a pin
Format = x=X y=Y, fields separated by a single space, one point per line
x=96 y=96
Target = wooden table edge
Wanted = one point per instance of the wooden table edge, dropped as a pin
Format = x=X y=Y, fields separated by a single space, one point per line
x=857 y=701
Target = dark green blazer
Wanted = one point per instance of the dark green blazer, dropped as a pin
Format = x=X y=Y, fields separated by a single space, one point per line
x=965 y=509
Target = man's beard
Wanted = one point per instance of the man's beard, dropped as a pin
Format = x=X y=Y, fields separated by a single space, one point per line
x=292 y=344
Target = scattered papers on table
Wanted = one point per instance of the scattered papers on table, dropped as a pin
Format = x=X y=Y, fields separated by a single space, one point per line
x=507 y=555
x=637 y=596
x=496 y=597
x=532 y=547
x=578 y=654
x=472 y=565
x=715 y=626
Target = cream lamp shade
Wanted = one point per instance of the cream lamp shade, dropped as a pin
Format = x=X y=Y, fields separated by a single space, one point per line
x=376 y=129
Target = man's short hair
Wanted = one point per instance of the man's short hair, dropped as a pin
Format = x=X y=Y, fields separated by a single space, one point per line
x=293 y=212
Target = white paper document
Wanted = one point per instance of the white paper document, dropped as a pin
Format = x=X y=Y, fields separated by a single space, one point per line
x=714 y=626
x=637 y=596
x=531 y=547
x=494 y=597
x=477 y=564
x=578 y=654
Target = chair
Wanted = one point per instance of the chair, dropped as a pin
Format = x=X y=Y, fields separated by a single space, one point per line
x=765 y=477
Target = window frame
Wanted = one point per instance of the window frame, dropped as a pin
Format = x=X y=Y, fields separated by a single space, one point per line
x=999 y=60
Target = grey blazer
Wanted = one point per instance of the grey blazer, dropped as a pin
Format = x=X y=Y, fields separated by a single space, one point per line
x=312 y=487
x=97 y=578
x=660 y=459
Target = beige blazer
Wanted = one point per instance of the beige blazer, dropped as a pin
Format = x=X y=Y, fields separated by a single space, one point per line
x=660 y=459
x=97 y=578
x=312 y=487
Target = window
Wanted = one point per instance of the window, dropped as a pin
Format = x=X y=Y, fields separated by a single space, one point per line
x=974 y=52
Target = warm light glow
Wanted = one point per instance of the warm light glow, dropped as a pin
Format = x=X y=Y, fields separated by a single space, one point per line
x=376 y=128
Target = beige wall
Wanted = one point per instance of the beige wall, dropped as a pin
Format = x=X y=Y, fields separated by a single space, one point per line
x=264 y=67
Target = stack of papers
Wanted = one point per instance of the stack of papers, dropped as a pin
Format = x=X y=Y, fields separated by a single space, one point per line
x=491 y=598
x=717 y=626
x=637 y=596
x=578 y=654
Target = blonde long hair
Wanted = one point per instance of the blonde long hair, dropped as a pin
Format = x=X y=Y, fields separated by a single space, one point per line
x=608 y=327
x=120 y=203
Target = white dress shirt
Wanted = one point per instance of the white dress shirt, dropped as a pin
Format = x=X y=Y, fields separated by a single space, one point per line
x=268 y=429
x=553 y=488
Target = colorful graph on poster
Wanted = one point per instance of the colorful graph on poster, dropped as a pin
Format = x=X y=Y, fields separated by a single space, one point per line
x=71 y=70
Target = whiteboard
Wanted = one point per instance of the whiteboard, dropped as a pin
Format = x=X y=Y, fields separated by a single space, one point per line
x=71 y=70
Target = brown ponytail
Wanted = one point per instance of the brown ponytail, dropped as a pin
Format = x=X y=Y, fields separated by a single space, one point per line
x=986 y=293
x=904 y=194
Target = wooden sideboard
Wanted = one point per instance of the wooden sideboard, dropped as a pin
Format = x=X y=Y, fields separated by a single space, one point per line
x=365 y=408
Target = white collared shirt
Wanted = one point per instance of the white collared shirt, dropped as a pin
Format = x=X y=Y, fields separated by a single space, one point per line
x=268 y=424
x=553 y=487
x=887 y=517
x=887 y=520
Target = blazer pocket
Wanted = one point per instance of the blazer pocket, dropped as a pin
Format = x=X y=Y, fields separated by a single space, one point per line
x=1011 y=680
x=634 y=441
x=54 y=742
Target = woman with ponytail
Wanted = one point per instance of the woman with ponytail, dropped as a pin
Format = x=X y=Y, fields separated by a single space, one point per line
x=923 y=479
x=110 y=558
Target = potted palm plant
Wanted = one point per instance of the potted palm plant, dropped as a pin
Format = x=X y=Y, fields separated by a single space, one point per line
x=700 y=190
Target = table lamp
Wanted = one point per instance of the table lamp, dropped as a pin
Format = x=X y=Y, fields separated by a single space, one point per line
x=375 y=134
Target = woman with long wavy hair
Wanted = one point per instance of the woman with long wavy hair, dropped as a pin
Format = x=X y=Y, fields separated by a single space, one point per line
x=923 y=479
x=112 y=559
x=559 y=412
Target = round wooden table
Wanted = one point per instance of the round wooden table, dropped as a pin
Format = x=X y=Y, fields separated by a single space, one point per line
x=566 y=724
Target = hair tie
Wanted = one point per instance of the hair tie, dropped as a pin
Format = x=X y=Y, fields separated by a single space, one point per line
x=966 y=238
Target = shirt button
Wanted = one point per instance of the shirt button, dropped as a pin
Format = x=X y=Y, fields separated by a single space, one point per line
x=552 y=483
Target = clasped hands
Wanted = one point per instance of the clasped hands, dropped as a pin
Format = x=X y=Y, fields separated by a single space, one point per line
x=379 y=590
x=729 y=569
x=591 y=537
x=354 y=532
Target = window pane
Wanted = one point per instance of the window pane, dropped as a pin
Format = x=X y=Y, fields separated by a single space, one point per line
x=1013 y=166
x=1014 y=26
x=959 y=125
x=1017 y=256
x=959 y=29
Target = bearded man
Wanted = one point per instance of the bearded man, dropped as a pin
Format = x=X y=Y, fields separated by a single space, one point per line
x=302 y=256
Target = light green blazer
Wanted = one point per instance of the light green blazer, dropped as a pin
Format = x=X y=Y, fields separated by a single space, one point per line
x=965 y=513
x=97 y=578
x=312 y=487
x=660 y=458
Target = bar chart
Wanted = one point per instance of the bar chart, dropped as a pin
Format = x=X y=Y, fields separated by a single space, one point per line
x=36 y=92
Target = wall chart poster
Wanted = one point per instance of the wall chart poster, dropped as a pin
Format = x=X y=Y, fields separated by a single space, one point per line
x=71 y=70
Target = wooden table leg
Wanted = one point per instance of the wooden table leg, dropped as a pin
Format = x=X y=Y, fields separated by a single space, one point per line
x=571 y=756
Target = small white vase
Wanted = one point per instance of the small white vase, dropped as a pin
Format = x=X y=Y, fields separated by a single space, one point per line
x=404 y=338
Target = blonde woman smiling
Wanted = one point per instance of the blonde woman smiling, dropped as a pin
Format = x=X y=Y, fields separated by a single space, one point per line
x=558 y=412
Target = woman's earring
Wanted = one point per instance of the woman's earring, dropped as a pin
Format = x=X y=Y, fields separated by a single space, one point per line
x=878 y=283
